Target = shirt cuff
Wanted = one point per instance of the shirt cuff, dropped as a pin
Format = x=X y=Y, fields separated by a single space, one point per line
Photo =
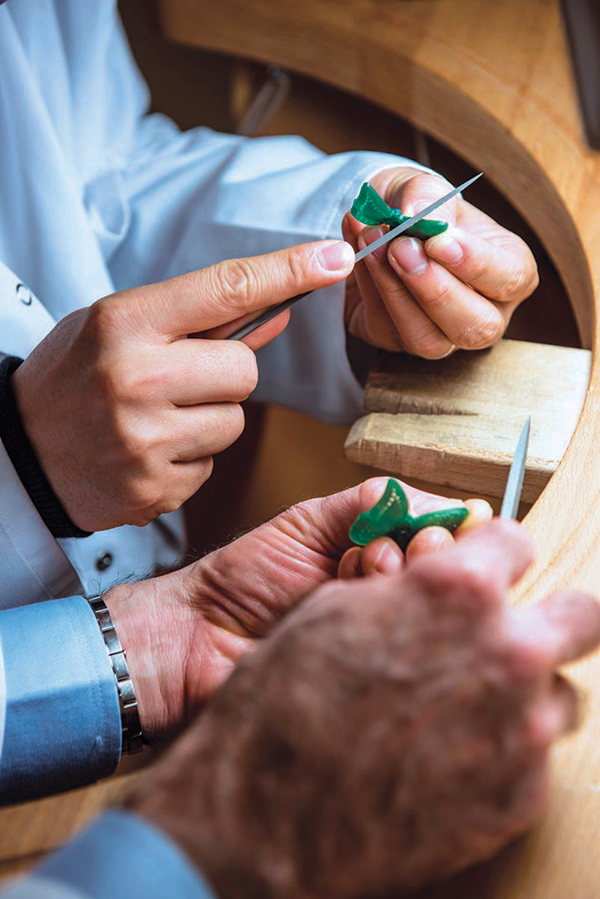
x=33 y=567
x=121 y=856
x=63 y=722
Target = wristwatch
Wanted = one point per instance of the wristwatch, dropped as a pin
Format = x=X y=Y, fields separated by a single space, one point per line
x=132 y=739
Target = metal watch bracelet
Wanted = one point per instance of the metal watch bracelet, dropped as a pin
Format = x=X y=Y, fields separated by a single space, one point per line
x=131 y=730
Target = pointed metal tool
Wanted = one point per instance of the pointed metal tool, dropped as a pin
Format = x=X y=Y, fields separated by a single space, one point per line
x=268 y=314
x=395 y=232
x=516 y=475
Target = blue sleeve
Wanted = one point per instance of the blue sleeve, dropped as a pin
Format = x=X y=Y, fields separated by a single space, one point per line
x=117 y=857
x=63 y=723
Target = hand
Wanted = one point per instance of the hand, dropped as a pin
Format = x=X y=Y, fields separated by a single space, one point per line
x=389 y=733
x=456 y=290
x=185 y=631
x=124 y=412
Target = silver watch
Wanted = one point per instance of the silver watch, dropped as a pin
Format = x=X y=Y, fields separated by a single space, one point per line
x=132 y=739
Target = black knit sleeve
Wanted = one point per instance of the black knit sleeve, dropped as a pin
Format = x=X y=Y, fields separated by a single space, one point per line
x=24 y=460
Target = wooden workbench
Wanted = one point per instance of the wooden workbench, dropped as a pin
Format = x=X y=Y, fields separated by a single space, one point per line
x=492 y=81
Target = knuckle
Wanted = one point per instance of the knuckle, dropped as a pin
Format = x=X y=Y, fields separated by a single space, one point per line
x=169 y=505
x=185 y=487
x=437 y=349
x=140 y=520
x=534 y=280
x=483 y=333
x=428 y=343
x=516 y=284
x=513 y=286
x=121 y=382
x=476 y=580
x=101 y=320
x=439 y=299
x=297 y=265
x=478 y=269
x=526 y=662
x=142 y=497
x=232 y=422
x=174 y=500
x=206 y=468
x=202 y=471
x=462 y=581
x=426 y=186
x=245 y=370
x=136 y=445
x=235 y=282
x=126 y=382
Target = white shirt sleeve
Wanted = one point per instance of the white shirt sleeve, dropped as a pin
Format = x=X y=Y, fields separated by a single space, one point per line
x=199 y=197
x=33 y=567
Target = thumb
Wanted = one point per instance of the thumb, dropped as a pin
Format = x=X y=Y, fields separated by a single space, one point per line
x=224 y=292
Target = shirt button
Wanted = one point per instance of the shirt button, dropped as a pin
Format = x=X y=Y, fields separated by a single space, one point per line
x=104 y=561
x=24 y=294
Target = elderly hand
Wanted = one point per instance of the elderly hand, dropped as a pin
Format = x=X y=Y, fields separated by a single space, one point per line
x=457 y=290
x=125 y=412
x=185 y=631
x=390 y=732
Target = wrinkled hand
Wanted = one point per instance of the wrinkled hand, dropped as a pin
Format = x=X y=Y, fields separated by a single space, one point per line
x=455 y=290
x=125 y=412
x=185 y=631
x=390 y=732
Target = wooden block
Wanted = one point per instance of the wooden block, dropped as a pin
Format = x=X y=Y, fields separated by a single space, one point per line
x=456 y=422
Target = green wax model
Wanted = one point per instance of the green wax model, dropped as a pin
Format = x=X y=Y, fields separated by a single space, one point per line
x=390 y=518
x=371 y=209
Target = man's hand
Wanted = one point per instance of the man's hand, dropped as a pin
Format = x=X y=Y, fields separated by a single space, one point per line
x=184 y=632
x=456 y=290
x=124 y=411
x=390 y=732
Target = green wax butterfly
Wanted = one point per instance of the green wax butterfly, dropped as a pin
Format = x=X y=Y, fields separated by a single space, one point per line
x=390 y=518
x=371 y=209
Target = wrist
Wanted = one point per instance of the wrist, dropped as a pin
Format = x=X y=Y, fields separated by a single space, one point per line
x=132 y=739
x=23 y=452
x=154 y=629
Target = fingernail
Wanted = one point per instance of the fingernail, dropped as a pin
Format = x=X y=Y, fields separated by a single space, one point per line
x=365 y=240
x=480 y=511
x=409 y=254
x=336 y=257
x=388 y=560
x=446 y=249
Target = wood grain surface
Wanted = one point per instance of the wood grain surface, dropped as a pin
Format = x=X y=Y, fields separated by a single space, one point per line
x=455 y=423
x=492 y=81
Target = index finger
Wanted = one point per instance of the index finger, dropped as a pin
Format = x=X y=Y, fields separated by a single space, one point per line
x=481 y=567
x=201 y=300
x=564 y=627
x=505 y=272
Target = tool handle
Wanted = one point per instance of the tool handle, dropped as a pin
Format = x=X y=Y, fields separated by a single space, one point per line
x=266 y=316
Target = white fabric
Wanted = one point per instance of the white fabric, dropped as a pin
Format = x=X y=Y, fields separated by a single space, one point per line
x=34 y=887
x=97 y=196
